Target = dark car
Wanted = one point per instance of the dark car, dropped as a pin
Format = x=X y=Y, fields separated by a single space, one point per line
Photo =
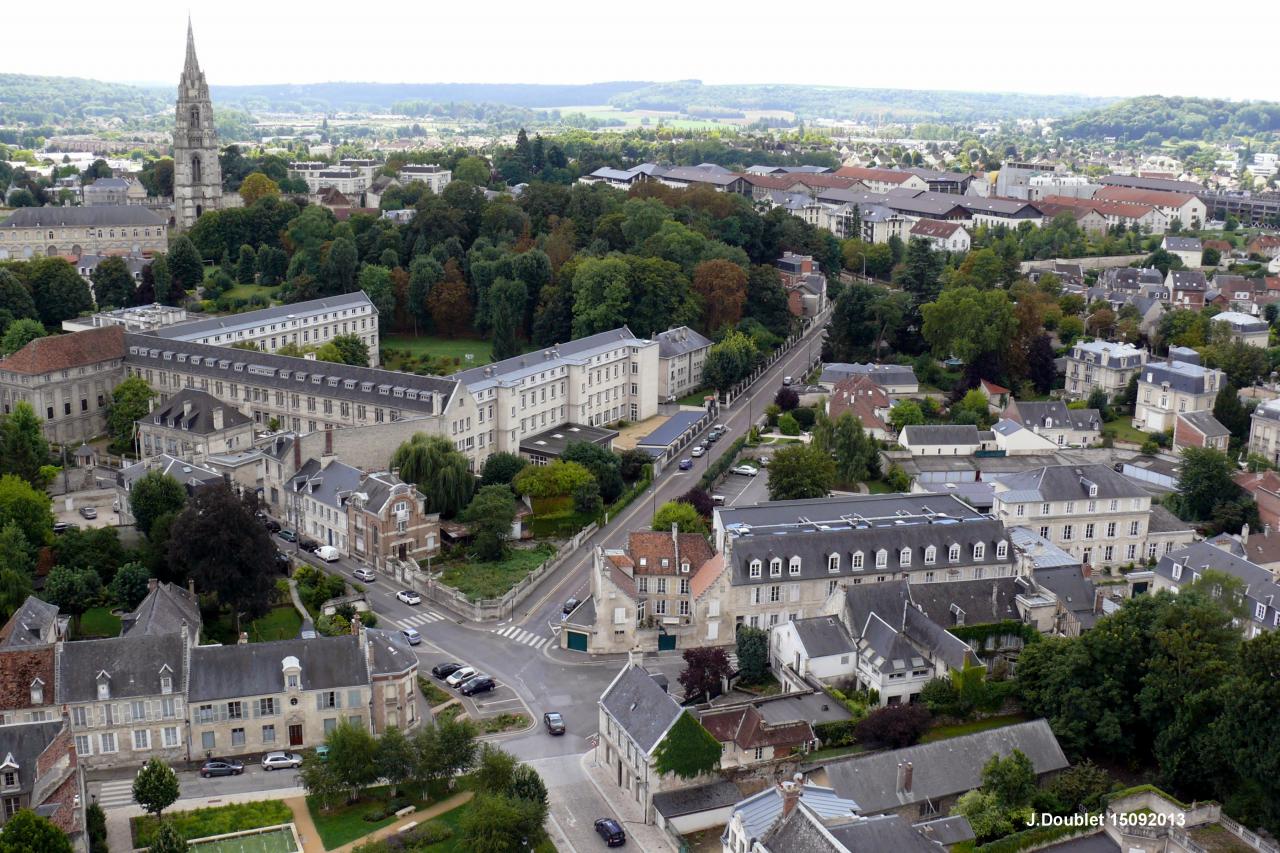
x=570 y=606
x=288 y=535
x=60 y=527
x=686 y=464
x=611 y=831
x=479 y=684
x=554 y=723
x=310 y=545
x=444 y=670
x=282 y=560
x=271 y=524
x=221 y=767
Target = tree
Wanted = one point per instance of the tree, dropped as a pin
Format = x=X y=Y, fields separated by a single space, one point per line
x=498 y=823
x=1081 y=787
x=1012 y=779
x=753 y=655
x=186 y=268
x=25 y=449
x=96 y=829
x=424 y=273
x=394 y=758
x=96 y=548
x=688 y=750
x=440 y=472
x=375 y=281
x=473 y=170
x=1041 y=370
x=682 y=515
x=1098 y=400
x=603 y=464
x=353 y=754
x=856 y=454
x=905 y=413
x=346 y=349
x=705 y=667
x=27 y=831
x=558 y=479
x=1210 y=257
x=1204 y=481
x=26 y=507
x=217 y=541
x=699 y=500
x=129 y=586
x=130 y=401
x=767 y=299
x=443 y=750
x=730 y=361
x=58 y=290
x=722 y=285
x=632 y=463
x=1228 y=412
x=247 y=267
x=320 y=781
x=495 y=768
x=490 y=514
x=506 y=316
x=19 y=333
x=112 y=283
x=155 y=494
x=501 y=468
x=168 y=840
x=15 y=297
x=786 y=399
x=969 y=323
x=921 y=268
x=257 y=186
x=587 y=499
x=801 y=471
x=155 y=788
x=450 y=307
x=893 y=726
x=981 y=808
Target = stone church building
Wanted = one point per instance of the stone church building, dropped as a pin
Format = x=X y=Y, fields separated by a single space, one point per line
x=197 y=175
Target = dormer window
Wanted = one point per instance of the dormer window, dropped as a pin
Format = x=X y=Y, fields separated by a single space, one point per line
x=644 y=561
x=979 y=550
x=37 y=692
x=292 y=672
x=930 y=555
x=684 y=566
x=104 y=687
x=904 y=557
x=953 y=554
x=794 y=567
x=755 y=568
x=855 y=561
x=882 y=558
x=833 y=563
x=1002 y=550
x=775 y=567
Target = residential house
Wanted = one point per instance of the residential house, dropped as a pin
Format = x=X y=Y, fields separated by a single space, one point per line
x=1266 y=245
x=681 y=355
x=286 y=694
x=1186 y=208
x=1187 y=565
x=997 y=396
x=195 y=425
x=819 y=647
x=39 y=770
x=1086 y=216
x=1001 y=211
x=804 y=283
x=1168 y=388
x=1251 y=330
x=952 y=183
x=895 y=379
x=73 y=231
x=924 y=781
x=1102 y=365
x=393 y=680
x=941 y=439
x=35 y=623
x=1052 y=572
x=636 y=712
x=377 y=188
x=1187 y=288
x=387 y=521
x=315 y=501
x=1089 y=511
x=943 y=236
x=87 y=264
x=27 y=677
x=1015 y=439
x=757 y=816
x=1264 y=487
x=164 y=610
x=879 y=223
x=113 y=191
x=748 y=739
x=189 y=475
x=433 y=176
x=1199 y=429
x=803 y=828
x=1097 y=216
x=1189 y=250
x=867 y=401
x=67 y=379
x=1065 y=427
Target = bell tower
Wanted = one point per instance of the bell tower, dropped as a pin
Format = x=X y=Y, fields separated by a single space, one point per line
x=197 y=176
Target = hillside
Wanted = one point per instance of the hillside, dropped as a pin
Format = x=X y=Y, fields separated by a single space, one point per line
x=1174 y=118
x=31 y=100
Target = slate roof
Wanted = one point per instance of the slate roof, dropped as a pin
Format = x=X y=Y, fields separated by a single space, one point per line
x=200 y=418
x=823 y=636
x=1182 y=244
x=133 y=665
x=674 y=427
x=1068 y=482
x=1188 y=279
x=232 y=323
x=1205 y=423
x=1076 y=592
x=888 y=622
x=29 y=624
x=884 y=832
x=947 y=830
x=164 y=611
x=381 y=487
x=329 y=485
x=254 y=669
x=90 y=216
x=514 y=369
x=1181 y=375
x=640 y=706
x=392 y=653
x=1241 y=322
x=761 y=810
x=942 y=768
x=24 y=743
x=62 y=352
x=801 y=830
x=1108 y=354
x=940 y=434
x=813 y=708
x=701 y=798
x=188 y=474
x=881 y=374
x=679 y=341
x=1055 y=414
x=1261 y=591
x=979 y=602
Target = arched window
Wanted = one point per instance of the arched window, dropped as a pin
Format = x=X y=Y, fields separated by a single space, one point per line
x=794 y=566
x=930 y=555
x=195 y=116
x=1002 y=550
x=904 y=557
x=195 y=168
x=979 y=550
x=882 y=558
x=953 y=553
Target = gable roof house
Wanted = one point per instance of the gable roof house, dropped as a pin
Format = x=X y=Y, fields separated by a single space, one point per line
x=27 y=684
x=805 y=829
x=893 y=378
x=1261 y=592
x=34 y=623
x=747 y=738
x=867 y=401
x=636 y=713
x=41 y=773
x=167 y=609
x=760 y=815
x=1054 y=420
x=1199 y=429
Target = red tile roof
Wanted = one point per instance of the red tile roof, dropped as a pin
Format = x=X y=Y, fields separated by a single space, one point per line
x=747 y=728
x=61 y=352
x=1133 y=195
x=648 y=549
x=20 y=667
x=863 y=173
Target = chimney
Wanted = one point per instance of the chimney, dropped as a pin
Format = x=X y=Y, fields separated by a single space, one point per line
x=790 y=791
x=907 y=773
x=185 y=633
x=244 y=638
x=152 y=583
x=355 y=625
x=1086 y=570
x=902 y=785
x=186 y=408
x=217 y=418
x=191 y=586
x=1244 y=534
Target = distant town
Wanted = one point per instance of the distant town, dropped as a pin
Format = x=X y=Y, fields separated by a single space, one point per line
x=706 y=478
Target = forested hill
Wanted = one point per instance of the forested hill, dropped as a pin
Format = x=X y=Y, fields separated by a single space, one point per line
x=360 y=97
x=1155 y=118
x=30 y=100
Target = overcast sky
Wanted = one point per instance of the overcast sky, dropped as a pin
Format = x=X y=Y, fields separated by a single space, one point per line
x=1093 y=47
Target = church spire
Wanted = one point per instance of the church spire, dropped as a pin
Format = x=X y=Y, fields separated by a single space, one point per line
x=192 y=65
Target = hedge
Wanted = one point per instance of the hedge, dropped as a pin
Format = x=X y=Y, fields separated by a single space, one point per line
x=722 y=464
x=836 y=733
x=1009 y=627
x=1035 y=837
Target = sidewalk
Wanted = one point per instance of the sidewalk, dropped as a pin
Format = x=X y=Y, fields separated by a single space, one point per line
x=120 y=837
x=645 y=835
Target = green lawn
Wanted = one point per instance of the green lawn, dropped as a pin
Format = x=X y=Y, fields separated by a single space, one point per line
x=275 y=841
x=434 y=354
x=492 y=580
x=1124 y=431
x=217 y=820
x=456 y=843
x=697 y=398
x=99 y=622
x=833 y=752
x=346 y=823
x=944 y=732
x=504 y=723
x=246 y=291
x=878 y=487
x=279 y=623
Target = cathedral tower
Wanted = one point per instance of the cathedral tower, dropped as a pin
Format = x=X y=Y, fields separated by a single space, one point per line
x=197 y=176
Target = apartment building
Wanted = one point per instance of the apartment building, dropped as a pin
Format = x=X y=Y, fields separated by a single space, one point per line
x=73 y=231
x=1254 y=331
x=681 y=354
x=636 y=712
x=596 y=380
x=434 y=177
x=1261 y=593
x=1089 y=511
x=300 y=324
x=67 y=379
x=1186 y=208
x=193 y=425
x=315 y=501
x=1171 y=387
x=40 y=772
x=1264 y=431
x=1052 y=419
x=1102 y=366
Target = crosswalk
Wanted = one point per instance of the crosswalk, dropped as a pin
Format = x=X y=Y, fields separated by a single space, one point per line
x=116 y=793
x=420 y=619
x=520 y=635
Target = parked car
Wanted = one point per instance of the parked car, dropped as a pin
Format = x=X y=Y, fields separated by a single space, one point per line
x=272 y=525
x=746 y=470
x=288 y=535
x=411 y=635
x=309 y=545
x=282 y=560
x=611 y=831
x=712 y=438
x=698 y=451
x=786 y=381
x=221 y=767
x=88 y=512
x=686 y=464
x=764 y=461
x=60 y=527
x=479 y=684
x=363 y=574
x=554 y=723
x=278 y=760
x=570 y=605
x=408 y=596
x=717 y=500
x=444 y=670
x=461 y=676
x=328 y=553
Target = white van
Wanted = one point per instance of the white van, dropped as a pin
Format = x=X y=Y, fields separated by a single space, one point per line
x=328 y=553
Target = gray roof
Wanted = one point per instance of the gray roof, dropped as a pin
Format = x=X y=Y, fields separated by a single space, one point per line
x=885 y=832
x=392 y=653
x=802 y=831
x=1073 y=589
x=1188 y=279
x=133 y=665
x=188 y=474
x=329 y=485
x=110 y=184
x=643 y=709
x=947 y=830
x=512 y=370
x=386 y=388
x=1067 y=483
x=1180 y=375
x=254 y=669
x=702 y=798
x=891 y=625
x=943 y=434
x=976 y=602
x=1182 y=244
x=23 y=743
x=252 y=319
x=31 y=622
x=164 y=611
x=823 y=636
x=1038 y=551
x=1108 y=354
x=942 y=768
x=1163 y=521
x=1242 y=322
x=200 y=418
x=881 y=374
x=1055 y=414
x=1001 y=206
x=556 y=440
x=812 y=708
x=381 y=486
x=761 y=810
x=1262 y=593
x=1163 y=184
x=1205 y=423
x=674 y=427
x=92 y=216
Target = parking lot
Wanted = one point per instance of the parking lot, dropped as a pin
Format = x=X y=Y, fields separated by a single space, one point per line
x=66 y=508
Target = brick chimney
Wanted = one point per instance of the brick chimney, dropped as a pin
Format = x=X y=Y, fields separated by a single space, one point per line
x=191 y=586
x=1244 y=534
x=790 y=791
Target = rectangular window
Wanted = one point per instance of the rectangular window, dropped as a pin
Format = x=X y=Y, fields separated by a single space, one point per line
x=107 y=742
x=1067 y=533
x=82 y=745
x=171 y=736
x=268 y=734
x=1088 y=531
x=208 y=740
x=141 y=739
x=237 y=737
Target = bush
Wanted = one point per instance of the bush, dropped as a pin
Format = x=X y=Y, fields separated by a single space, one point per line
x=837 y=733
x=787 y=425
x=786 y=399
x=894 y=726
x=806 y=417
x=718 y=467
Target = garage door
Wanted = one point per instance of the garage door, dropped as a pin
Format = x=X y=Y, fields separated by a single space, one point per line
x=666 y=642
x=577 y=641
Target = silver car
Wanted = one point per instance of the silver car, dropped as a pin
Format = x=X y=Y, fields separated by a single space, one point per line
x=281 y=760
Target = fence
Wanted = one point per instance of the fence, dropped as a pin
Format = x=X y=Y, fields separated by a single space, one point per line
x=726 y=398
x=489 y=609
